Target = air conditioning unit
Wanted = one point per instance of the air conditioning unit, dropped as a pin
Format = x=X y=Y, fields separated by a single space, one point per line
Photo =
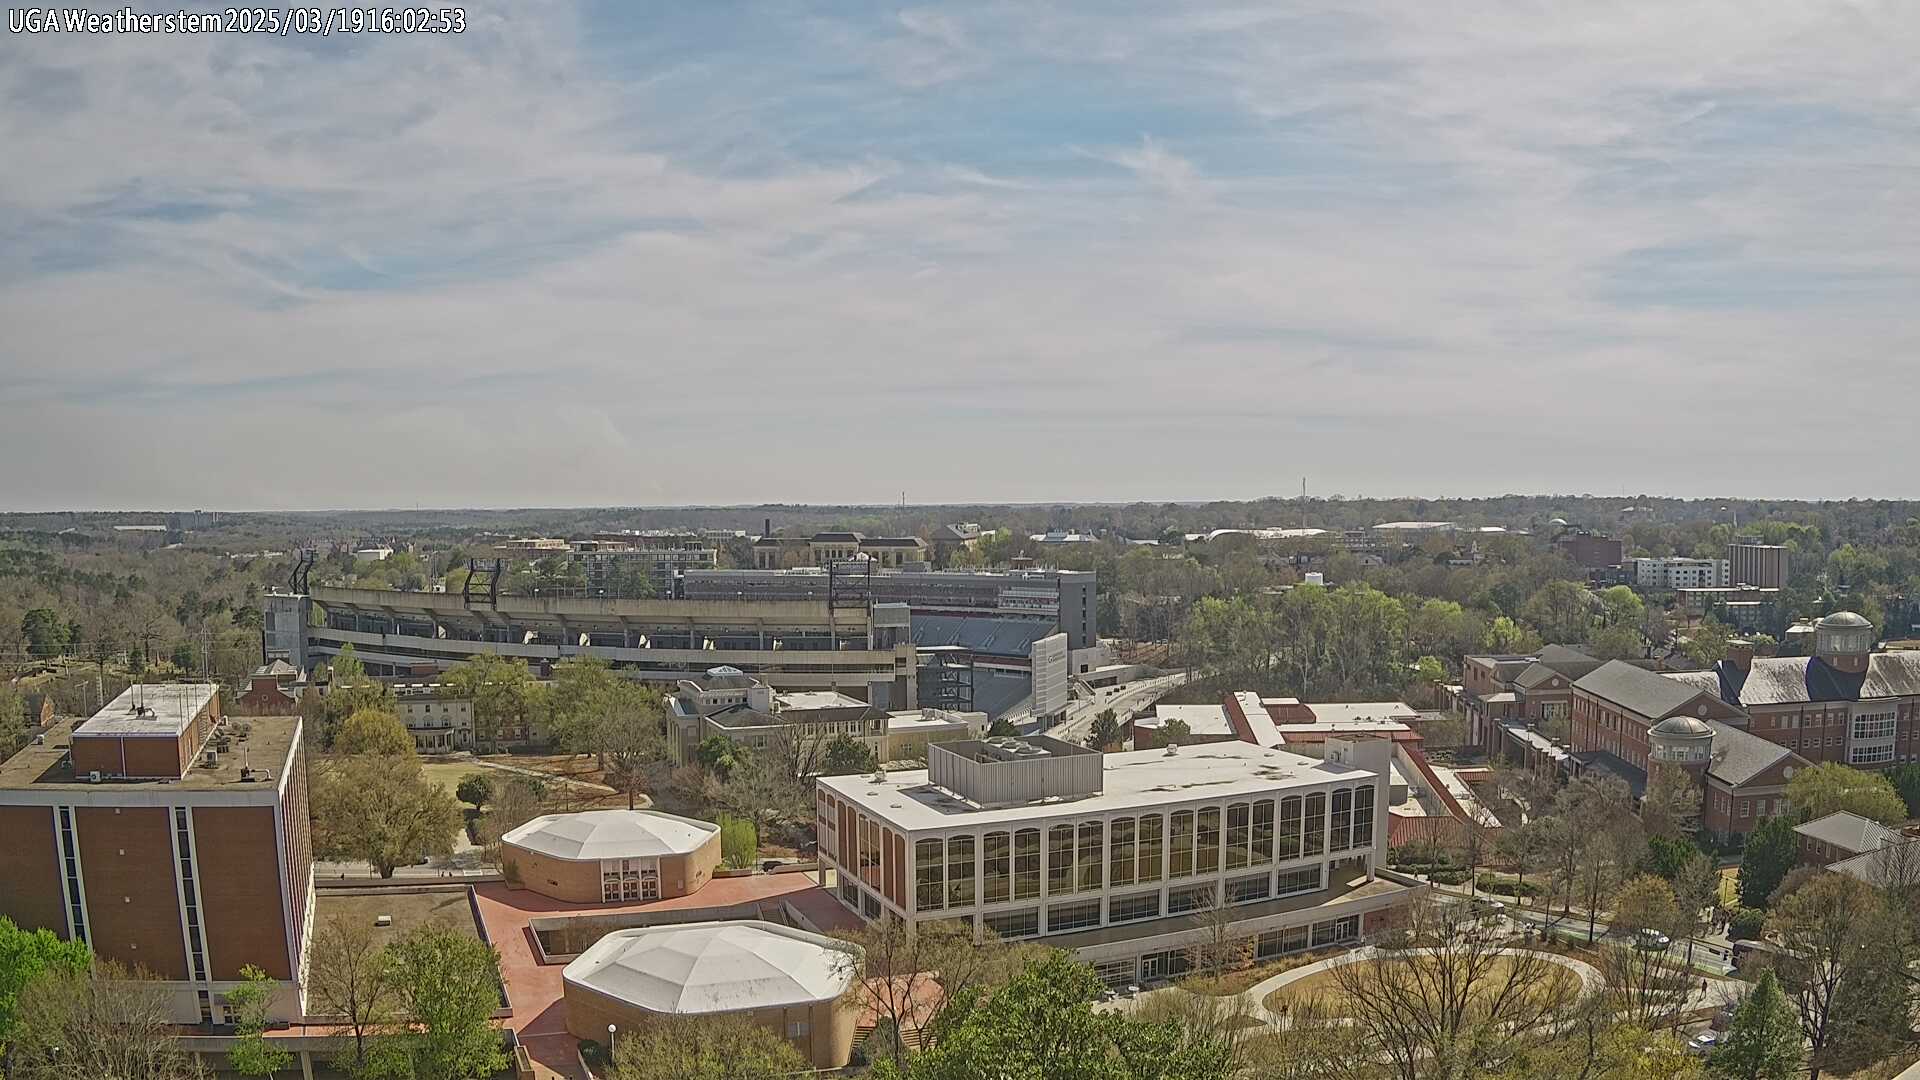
x=93 y=777
x=210 y=758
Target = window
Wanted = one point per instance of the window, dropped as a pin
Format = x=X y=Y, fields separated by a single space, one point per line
x=1746 y=808
x=1133 y=908
x=1092 y=840
x=1327 y=933
x=1026 y=864
x=1059 y=860
x=1363 y=817
x=797 y=1029
x=960 y=871
x=1015 y=924
x=1316 y=839
x=1871 y=755
x=1206 y=850
x=1290 y=827
x=998 y=871
x=1340 y=835
x=1120 y=857
x=1239 y=839
x=1190 y=898
x=1295 y=882
x=869 y=904
x=1064 y=917
x=1180 y=849
x=1875 y=726
x=1116 y=972
x=1263 y=832
x=1149 y=861
x=1276 y=942
x=929 y=868
x=1246 y=890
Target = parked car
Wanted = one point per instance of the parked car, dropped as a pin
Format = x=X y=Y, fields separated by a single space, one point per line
x=1703 y=1043
x=1652 y=940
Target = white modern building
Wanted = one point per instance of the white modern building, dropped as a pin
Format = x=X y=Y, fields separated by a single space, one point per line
x=1121 y=858
x=1680 y=573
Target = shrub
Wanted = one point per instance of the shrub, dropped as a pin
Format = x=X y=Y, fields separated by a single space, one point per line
x=739 y=842
x=1448 y=877
x=1746 y=924
x=475 y=789
x=1507 y=886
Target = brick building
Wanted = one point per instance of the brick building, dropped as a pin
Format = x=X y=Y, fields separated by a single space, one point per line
x=1844 y=703
x=1591 y=551
x=1627 y=719
x=166 y=838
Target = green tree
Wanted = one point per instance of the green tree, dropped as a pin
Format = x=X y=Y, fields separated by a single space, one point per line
x=591 y=708
x=1621 y=606
x=1507 y=636
x=1906 y=782
x=1831 y=787
x=704 y=1048
x=1771 y=851
x=1042 y=1026
x=383 y=811
x=717 y=754
x=845 y=755
x=374 y=732
x=44 y=631
x=1706 y=644
x=1106 y=732
x=107 y=1021
x=1645 y=903
x=1619 y=641
x=248 y=1004
x=474 y=789
x=1763 y=1042
x=739 y=842
x=503 y=693
x=449 y=986
x=1561 y=611
x=351 y=981
x=1696 y=890
x=1842 y=969
x=24 y=956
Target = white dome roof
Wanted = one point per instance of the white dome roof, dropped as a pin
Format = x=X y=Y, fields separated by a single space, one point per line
x=1842 y=620
x=611 y=834
x=715 y=967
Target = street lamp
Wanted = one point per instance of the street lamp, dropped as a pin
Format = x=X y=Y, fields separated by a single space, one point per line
x=610 y=1040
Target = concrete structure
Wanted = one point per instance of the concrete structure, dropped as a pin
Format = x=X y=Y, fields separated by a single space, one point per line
x=1764 y=565
x=1844 y=703
x=169 y=839
x=789 y=981
x=1118 y=857
x=729 y=703
x=790 y=644
x=611 y=856
x=821 y=549
x=1591 y=551
x=661 y=556
x=274 y=689
x=1680 y=573
x=1626 y=718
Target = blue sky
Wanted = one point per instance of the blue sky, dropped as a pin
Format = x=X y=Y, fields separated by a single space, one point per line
x=624 y=253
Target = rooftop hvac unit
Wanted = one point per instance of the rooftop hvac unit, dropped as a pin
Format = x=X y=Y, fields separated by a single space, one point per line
x=383 y=920
x=210 y=758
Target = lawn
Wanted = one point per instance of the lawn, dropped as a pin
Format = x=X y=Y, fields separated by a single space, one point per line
x=1324 y=985
x=449 y=774
x=1235 y=982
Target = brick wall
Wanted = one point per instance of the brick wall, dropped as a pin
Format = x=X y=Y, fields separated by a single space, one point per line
x=30 y=867
x=238 y=850
x=133 y=908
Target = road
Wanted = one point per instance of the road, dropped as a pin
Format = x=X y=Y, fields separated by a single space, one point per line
x=1126 y=701
x=1706 y=954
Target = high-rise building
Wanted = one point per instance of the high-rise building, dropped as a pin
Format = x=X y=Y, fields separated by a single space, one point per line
x=1764 y=565
x=167 y=838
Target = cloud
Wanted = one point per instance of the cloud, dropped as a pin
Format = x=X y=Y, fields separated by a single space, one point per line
x=1006 y=251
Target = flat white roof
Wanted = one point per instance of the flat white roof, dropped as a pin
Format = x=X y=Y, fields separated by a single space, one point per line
x=611 y=834
x=1134 y=780
x=1200 y=719
x=815 y=699
x=933 y=720
x=715 y=967
x=163 y=710
x=1359 y=711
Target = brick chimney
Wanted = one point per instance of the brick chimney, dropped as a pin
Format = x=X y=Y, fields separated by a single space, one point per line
x=1740 y=653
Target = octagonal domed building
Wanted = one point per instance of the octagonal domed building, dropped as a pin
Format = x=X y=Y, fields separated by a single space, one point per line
x=611 y=856
x=789 y=980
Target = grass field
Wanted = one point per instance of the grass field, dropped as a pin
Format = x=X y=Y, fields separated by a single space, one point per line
x=449 y=774
x=1323 y=984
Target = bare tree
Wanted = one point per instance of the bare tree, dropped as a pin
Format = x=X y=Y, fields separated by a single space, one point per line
x=1222 y=947
x=1646 y=987
x=1840 y=966
x=350 y=979
x=905 y=975
x=1443 y=1000
x=107 y=1022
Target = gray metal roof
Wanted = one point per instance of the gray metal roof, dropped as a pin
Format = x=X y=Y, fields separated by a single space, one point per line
x=1789 y=680
x=1848 y=831
x=1637 y=690
x=1739 y=756
x=979 y=634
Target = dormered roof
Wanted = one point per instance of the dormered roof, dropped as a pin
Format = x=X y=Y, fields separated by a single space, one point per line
x=1637 y=690
x=1790 y=680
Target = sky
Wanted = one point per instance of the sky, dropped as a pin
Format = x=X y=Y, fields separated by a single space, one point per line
x=650 y=254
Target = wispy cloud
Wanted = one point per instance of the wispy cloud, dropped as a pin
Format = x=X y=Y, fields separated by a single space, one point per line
x=608 y=253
